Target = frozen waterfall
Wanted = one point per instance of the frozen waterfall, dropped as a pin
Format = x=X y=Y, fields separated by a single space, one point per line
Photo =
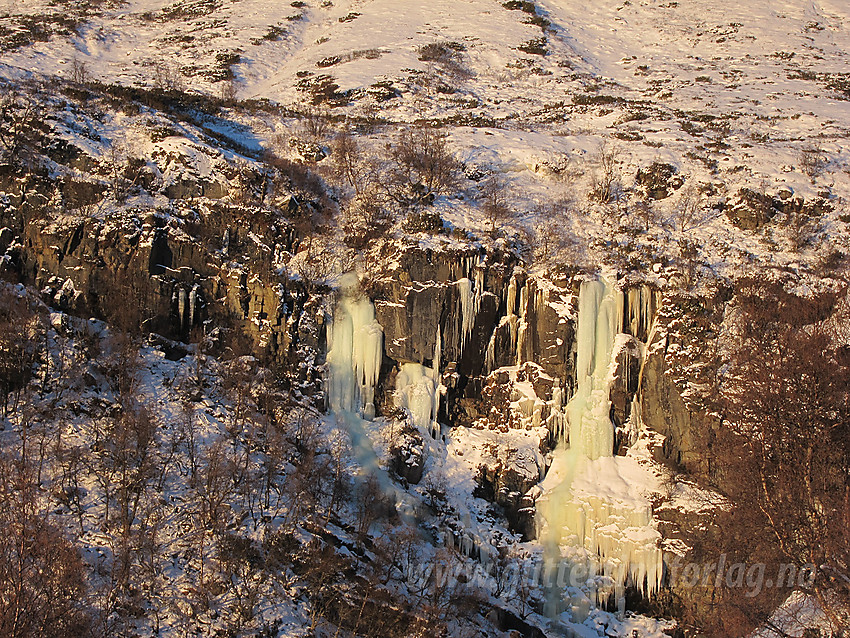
x=594 y=501
x=600 y=316
x=355 y=351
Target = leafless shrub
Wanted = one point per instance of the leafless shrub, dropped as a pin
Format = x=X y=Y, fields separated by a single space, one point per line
x=812 y=162
x=124 y=171
x=352 y=163
x=21 y=127
x=215 y=486
x=79 y=71
x=370 y=211
x=129 y=307
x=447 y=56
x=605 y=176
x=167 y=77
x=228 y=90
x=644 y=212
x=315 y=124
x=552 y=238
x=494 y=194
x=290 y=178
x=369 y=504
x=307 y=488
x=367 y=217
x=421 y=166
x=42 y=577
x=801 y=229
x=315 y=263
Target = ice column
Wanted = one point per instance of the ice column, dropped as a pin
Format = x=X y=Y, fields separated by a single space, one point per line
x=469 y=294
x=591 y=500
x=641 y=306
x=418 y=389
x=193 y=305
x=599 y=321
x=355 y=352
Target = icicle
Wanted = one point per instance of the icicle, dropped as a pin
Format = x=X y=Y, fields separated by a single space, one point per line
x=469 y=295
x=522 y=329
x=225 y=241
x=523 y=300
x=490 y=354
x=175 y=302
x=466 y=297
x=513 y=325
x=355 y=354
x=479 y=288
x=641 y=303
x=650 y=300
x=439 y=388
x=182 y=302
x=193 y=305
x=557 y=417
x=510 y=305
x=519 y=325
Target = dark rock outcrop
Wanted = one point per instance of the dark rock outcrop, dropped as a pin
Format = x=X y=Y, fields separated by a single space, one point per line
x=750 y=210
x=659 y=180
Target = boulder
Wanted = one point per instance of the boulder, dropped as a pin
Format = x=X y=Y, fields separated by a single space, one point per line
x=659 y=180
x=750 y=210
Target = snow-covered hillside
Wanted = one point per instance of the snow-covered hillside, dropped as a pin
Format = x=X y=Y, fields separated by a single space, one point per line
x=732 y=97
x=548 y=205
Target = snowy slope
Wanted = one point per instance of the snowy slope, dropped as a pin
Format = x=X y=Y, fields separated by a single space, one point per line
x=731 y=95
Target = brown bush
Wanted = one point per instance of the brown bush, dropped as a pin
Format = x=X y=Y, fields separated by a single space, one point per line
x=421 y=166
x=784 y=452
x=41 y=573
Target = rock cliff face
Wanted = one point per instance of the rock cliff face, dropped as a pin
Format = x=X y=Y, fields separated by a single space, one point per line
x=457 y=307
x=205 y=259
x=479 y=311
x=664 y=411
x=167 y=271
x=676 y=379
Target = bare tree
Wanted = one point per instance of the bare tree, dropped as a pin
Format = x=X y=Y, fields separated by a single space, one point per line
x=167 y=77
x=605 y=177
x=215 y=486
x=228 y=90
x=494 y=193
x=369 y=504
x=353 y=163
x=421 y=165
x=644 y=212
x=21 y=125
x=554 y=238
x=79 y=71
x=118 y=164
x=813 y=161
x=20 y=330
x=42 y=578
x=784 y=449
x=688 y=212
x=314 y=124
